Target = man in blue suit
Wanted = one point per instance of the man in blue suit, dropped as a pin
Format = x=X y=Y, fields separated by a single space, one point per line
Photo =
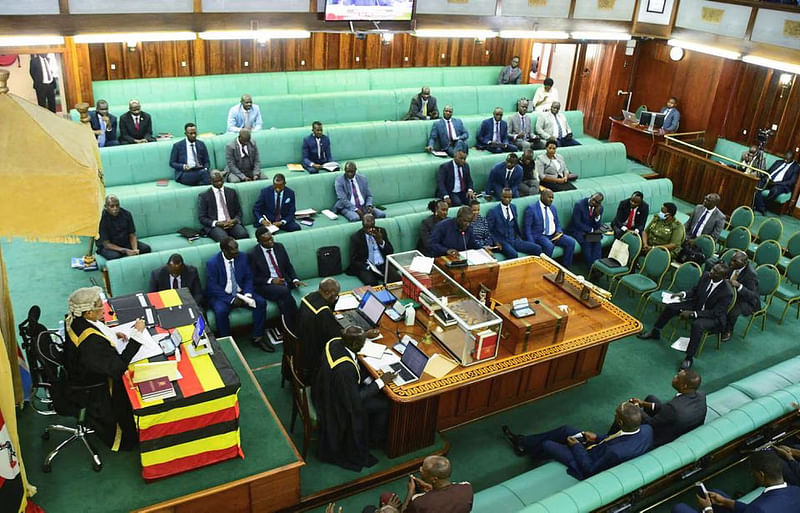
x=672 y=116
x=452 y=235
x=782 y=177
x=504 y=227
x=189 y=159
x=316 y=150
x=353 y=197
x=229 y=285
x=777 y=497
x=541 y=225
x=448 y=134
x=505 y=174
x=586 y=220
x=585 y=453
x=493 y=134
x=276 y=205
x=454 y=181
x=104 y=125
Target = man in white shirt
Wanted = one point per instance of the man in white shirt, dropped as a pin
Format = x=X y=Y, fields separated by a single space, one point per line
x=43 y=74
x=544 y=97
x=554 y=125
x=244 y=115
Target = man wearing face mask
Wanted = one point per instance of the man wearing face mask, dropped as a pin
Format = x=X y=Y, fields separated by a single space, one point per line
x=705 y=305
x=664 y=231
x=745 y=280
x=135 y=126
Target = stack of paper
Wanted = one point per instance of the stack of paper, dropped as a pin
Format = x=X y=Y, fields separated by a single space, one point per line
x=149 y=347
x=680 y=344
x=438 y=366
x=154 y=370
x=476 y=256
x=346 y=302
x=421 y=264
x=372 y=349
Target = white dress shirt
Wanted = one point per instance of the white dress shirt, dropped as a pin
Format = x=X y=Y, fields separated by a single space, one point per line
x=273 y=273
x=779 y=173
x=354 y=183
x=457 y=185
x=229 y=281
x=220 y=198
x=699 y=230
x=191 y=150
x=507 y=212
x=550 y=226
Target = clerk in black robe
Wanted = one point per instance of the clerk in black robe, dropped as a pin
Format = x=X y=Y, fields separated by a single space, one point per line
x=352 y=412
x=90 y=357
x=316 y=325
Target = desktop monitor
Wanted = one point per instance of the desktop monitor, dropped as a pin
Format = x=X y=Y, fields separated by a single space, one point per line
x=653 y=120
x=199 y=330
x=369 y=10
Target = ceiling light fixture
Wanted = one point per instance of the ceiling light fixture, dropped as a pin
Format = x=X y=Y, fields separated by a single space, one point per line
x=710 y=50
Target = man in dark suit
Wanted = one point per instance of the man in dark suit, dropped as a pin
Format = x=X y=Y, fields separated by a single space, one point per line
x=448 y=134
x=706 y=219
x=135 y=126
x=705 y=304
x=241 y=159
x=782 y=177
x=681 y=414
x=219 y=210
x=454 y=182
x=584 y=453
x=587 y=215
x=777 y=497
x=276 y=206
x=541 y=225
x=452 y=235
x=44 y=80
x=493 y=134
x=423 y=106
x=369 y=248
x=504 y=227
x=672 y=116
x=316 y=150
x=189 y=158
x=744 y=279
x=104 y=125
x=505 y=174
x=229 y=285
x=176 y=275
x=274 y=276
x=631 y=215
x=316 y=325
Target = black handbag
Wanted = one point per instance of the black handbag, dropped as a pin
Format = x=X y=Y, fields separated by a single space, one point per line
x=691 y=253
x=329 y=261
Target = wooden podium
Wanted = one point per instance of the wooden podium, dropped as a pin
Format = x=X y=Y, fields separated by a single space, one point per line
x=639 y=144
x=471 y=277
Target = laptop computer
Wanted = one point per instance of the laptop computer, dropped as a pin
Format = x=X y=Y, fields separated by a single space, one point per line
x=366 y=316
x=411 y=365
x=630 y=117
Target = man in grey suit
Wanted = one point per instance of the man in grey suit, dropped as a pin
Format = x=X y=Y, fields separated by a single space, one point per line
x=706 y=219
x=554 y=125
x=353 y=197
x=520 y=130
x=241 y=159
x=423 y=106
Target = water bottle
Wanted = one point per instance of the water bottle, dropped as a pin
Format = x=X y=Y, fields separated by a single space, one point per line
x=411 y=315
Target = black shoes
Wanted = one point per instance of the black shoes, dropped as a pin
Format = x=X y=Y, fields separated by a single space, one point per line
x=726 y=336
x=653 y=334
x=514 y=440
x=264 y=344
x=686 y=364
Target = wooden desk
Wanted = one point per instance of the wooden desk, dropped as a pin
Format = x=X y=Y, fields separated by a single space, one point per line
x=473 y=276
x=639 y=144
x=421 y=408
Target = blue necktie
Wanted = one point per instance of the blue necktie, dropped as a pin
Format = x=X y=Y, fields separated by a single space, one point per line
x=546 y=220
x=560 y=130
x=696 y=229
x=101 y=139
x=234 y=284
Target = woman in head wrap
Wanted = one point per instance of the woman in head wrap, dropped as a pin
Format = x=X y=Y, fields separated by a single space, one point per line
x=91 y=357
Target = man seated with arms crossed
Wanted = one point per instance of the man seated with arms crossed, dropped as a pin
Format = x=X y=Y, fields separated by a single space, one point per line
x=541 y=225
x=241 y=159
x=135 y=126
x=316 y=150
x=505 y=174
x=219 y=210
x=274 y=276
x=229 y=285
x=583 y=452
x=316 y=325
x=369 y=248
x=118 y=233
x=454 y=182
x=544 y=97
x=448 y=134
x=189 y=158
x=176 y=275
x=353 y=197
x=681 y=414
x=433 y=492
x=276 y=205
x=452 y=235
x=104 y=125
x=705 y=305
x=353 y=413
x=493 y=134
x=744 y=279
x=706 y=219
x=520 y=129
x=504 y=227
x=244 y=115
x=423 y=106
x=777 y=497
x=631 y=215
x=782 y=177
x=554 y=125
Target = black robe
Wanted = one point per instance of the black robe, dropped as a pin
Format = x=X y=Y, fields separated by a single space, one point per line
x=338 y=397
x=91 y=358
x=316 y=325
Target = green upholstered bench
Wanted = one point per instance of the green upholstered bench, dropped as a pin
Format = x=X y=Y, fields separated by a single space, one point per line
x=734 y=150
x=733 y=411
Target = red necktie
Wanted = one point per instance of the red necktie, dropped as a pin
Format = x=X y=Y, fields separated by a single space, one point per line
x=591 y=212
x=275 y=263
x=136 y=122
x=629 y=223
x=278 y=206
x=461 y=178
x=355 y=194
x=174 y=282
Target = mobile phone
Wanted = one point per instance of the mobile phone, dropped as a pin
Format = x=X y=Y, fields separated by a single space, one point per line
x=700 y=489
x=578 y=436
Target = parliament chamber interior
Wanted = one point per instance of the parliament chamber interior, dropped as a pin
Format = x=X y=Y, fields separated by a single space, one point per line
x=346 y=256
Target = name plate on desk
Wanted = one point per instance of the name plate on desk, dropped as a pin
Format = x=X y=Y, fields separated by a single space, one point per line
x=545 y=328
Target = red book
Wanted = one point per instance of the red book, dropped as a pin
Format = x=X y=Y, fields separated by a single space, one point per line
x=159 y=388
x=162 y=183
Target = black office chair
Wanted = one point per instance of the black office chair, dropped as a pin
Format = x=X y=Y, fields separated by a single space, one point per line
x=29 y=331
x=289 y=350
x=68 y=400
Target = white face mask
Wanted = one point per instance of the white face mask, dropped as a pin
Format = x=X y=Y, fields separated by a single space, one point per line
x=662 y=216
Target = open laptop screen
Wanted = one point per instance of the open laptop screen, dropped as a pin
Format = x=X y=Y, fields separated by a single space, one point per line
x=372 y=307
x=414 y=359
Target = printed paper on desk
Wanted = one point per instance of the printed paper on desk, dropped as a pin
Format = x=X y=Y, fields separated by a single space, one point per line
x=476 y=256
x=439 y=153
x=346 y=302
x=372 y=349
x=421 y=264
x=681 y=344
x=667 y=299
x=383 y=362
x=438 y=366
x=149 y=347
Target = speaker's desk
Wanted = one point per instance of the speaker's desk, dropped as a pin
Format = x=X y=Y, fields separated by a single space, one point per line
x=421 y=408
x=640 y=144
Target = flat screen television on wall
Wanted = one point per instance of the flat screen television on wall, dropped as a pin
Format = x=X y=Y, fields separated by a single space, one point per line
x=369 y=10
